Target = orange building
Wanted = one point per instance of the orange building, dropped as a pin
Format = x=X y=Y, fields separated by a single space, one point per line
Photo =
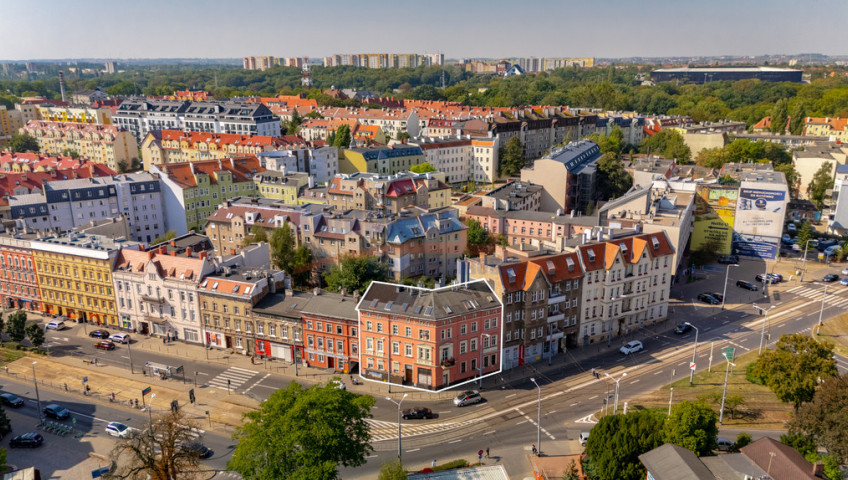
x=330 y=326
x=429 y=339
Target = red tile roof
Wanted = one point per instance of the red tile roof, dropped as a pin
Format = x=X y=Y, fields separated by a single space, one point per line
x=242 y=169
x=221 y=139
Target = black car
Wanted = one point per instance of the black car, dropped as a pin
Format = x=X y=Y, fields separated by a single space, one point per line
x=718 y=296
x=417 y=412
x=830 y=277
x=56 y=411
x=728 y=259
x=746 y=285
x=99 y=334
x=682 y=328
x=707 y=298
x=198 y=449
x=769 y=278
x=104 y=345
x=27 y=440
x=11 y=400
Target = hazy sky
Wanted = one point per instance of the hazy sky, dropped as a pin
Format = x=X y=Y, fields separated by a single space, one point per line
x=39 y=29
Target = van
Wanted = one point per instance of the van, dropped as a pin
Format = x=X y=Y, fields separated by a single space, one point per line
x=583 y=438
x=724 y=445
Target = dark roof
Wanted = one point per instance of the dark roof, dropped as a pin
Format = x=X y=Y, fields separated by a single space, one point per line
x=428 y=304
x=332 y=305
x=670 y=462
x=786 y=463
x=281 y=305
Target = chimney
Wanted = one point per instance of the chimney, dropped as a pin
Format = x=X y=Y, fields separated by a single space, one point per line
x=818 y=470
x=173 y=243
x=163 y=250
x=232 y=251
x=174 y=253
x=188 y=251
x=482 y=259
x=356 y=295
x=202 y=255
x=62 y=84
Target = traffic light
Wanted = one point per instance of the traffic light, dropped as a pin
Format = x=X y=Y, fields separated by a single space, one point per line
x=191 y=395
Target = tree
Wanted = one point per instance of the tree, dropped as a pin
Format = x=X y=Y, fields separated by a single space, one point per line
x=257 y=234
x=821 y=182
x=422 y=168
x=303 y=434
x=392 y=471
x=613 y=180
x=742 y=440
x=35 y=334
x=282 y=245
x=796 y=120
x=618 y=440
x=732 y=402
x=793 y=179
x=70 y=152
x=157 y=452
x=16 y=326
x=692 y=425
x=341 y=137
x=669 y=144
x=805 y=233
x=477 y=235
x=164 y=237
x=133 y=166
x=779 y=116
x=301 y=268
x=292 y=126
x=23 y=143
x=708 y=253
x=825 y=418
x=793 y=370
x=355 y=273
x=401 y=136
x=571 y=472
x=511 y=158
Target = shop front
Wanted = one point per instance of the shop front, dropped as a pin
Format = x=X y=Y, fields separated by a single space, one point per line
x=216 y=339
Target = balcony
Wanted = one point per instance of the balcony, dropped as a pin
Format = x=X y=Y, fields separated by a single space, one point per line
x=556 y=318
x=556 y=297
x=448 y=362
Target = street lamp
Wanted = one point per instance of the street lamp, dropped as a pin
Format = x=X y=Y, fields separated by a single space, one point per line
x=694 y=351
x=615 y=407
x=150 y=410
x=724 y=394
x=129 y=352
x=765 y=321
x=821 y=312
x=37 y=398
x=609 y=310
x=480 y=365
x=538 y=418
x=398 y=405
x=724 y=295
x=804 y=264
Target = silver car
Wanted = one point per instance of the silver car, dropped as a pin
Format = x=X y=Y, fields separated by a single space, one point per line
x=468 y=397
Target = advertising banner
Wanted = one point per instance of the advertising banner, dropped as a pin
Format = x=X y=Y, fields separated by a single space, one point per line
x=760 y=212
x=715 y=209
x=756 y=246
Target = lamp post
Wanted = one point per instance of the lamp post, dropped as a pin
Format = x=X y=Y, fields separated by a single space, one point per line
x=804 y=263
x=724 y=394
x=670 y=396
x=37 y=398
x=765 y=321
x=150 y=410
x=724 y=294
x=480 y=365
x=615 y=407
x=538 y=418
x=398 y=405
x=694 y=351
x=765 y=281
x=129 y=352
x=821 y=312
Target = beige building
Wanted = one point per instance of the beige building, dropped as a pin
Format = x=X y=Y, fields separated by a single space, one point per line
x=568 y=177
x=107 y=144
x=808 y=161
x=51 y=113
x=10 y=122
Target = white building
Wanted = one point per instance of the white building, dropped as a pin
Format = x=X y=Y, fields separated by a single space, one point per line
x=320 y=163
x=452 y=156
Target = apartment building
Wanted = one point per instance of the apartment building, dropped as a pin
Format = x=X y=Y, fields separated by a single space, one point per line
x=568 y=176
x=279 y=316
x=514 y=196
x=141 y=116
x=331 y=329
x=451 y=156
x=425 y=244
x=388 y=193
x=283 y=186
x=177 y=146
x=521 y=227
x=75 y=275
x=10 y=122
x=541 y=294
x=18 y=278
x=383 y=160
x=107 y=144
x=384 y=60
x=321 y=163
x=626 y=285
x=809 y=160
x=234 y=220
x=259 y=63
x=193 y=190
x=429 y=339
x=74 y=114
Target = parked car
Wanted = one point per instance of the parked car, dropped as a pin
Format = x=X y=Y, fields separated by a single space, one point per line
x=723 y=445
x=198 y=449
x=56 y=411
x=99 y=334
x=786 y=238
x=631 y=347
x=717 y=296
x=27 y=440
x=814 y=243
x=55 y=325
x=825 y=244
x=768 y=278
x=417 y=412
x=796 y=247
x=468 y=397
x=844 y=282
x=682 y=328
x=831 y=250
x=118 y=429
x=120 y=337
x=11 y=400
x=830 y=277
x=584 y=437
x=791 y=228
x=707 y=298
x=845 y=271
x=776 y=276
x=104 y=345
x=728 y=259
x=746 y=285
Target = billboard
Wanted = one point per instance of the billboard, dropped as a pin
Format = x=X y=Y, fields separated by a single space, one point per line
x=761 y=212
x=756 y=246
x=715 y=211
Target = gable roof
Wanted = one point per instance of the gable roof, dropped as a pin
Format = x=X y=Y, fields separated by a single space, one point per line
x=670 y=462
x=780 y=461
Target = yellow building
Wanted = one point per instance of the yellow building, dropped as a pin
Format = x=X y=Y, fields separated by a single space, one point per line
x=281 y=186
x=383 y=160
x=75 y=276
x=10 y=123
x=107 y=144
x=97 y=116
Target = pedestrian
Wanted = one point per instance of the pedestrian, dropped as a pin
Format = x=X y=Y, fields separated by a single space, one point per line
x=7 y=369
x=480 y=456
x=434 y=463
x=534 y=449
x=164 y=340
x=487 y=452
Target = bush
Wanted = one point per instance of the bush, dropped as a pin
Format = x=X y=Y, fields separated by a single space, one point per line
x=742 y=440
x=10 y=345
x=451 y=465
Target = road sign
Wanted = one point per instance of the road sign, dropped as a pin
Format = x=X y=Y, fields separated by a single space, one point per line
x=180 y=369
x=84 y=379
x=99 y=472
x=728 y=353
x=691 y=365
x=146 y=391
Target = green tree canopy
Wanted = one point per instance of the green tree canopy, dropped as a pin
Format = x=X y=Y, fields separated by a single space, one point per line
x=303 y=434
x=805 y=233
x=511 y=158
x=422 y=168
x=667 y=143
x=779 y=116
x=282 y=245
x=257 y=234
x=477 y=235
x=821 y=182
x=16 y=326
x=692 y=425
x=165 y=237
x=796 y=121
x=392 y=471
x=793 y=369
x=355 y=273
x=793 y=178
x=825 y=418
x=341 y=137
x=618 y=440
x=23 y=143
x=35 y=334
x=613 y=179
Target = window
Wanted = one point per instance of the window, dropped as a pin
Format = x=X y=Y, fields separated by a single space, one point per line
x=408 y=350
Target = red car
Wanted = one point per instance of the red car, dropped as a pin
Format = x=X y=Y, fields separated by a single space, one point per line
x=105 y=345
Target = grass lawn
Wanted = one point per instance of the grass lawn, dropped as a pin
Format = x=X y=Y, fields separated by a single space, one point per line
x=8 y=355
x=762 y=409
x=835 y=331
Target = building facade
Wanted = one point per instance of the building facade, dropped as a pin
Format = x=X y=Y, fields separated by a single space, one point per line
x=107 y=144
x=331 y=329
x=18 y=278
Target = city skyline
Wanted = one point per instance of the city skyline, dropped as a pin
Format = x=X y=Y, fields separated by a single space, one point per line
x=471 y=29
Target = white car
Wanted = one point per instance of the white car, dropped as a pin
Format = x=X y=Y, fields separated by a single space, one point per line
x=120 y=338
x=117 y=429
x=336 y=383
x=831 y=250
x=631 y=347
x=796 y=247
x=55 y=325
x=845 y=271
x=791 y=227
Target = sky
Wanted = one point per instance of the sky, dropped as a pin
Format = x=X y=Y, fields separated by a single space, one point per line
x=57 y=29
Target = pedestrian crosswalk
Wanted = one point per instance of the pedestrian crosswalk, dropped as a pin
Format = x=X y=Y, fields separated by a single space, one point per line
x=382 y=430
x=835 y=294
x=232 y=378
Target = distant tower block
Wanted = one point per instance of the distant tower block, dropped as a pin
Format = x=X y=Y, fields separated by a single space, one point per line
x=305 y=74
x=62 y=84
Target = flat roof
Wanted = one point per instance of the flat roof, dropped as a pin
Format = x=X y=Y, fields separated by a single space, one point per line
x=726 y=69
